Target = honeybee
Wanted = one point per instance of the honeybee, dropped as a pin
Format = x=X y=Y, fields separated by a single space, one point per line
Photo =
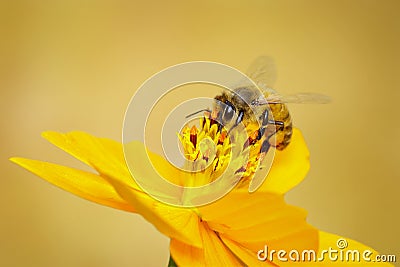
x=267 y=109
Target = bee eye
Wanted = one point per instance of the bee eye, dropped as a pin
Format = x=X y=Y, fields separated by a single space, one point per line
x=228 y=112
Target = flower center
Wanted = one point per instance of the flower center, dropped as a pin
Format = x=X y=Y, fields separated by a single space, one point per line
x=209 y=151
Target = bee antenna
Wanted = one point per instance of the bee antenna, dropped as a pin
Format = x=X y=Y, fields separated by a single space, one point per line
x=197 y=112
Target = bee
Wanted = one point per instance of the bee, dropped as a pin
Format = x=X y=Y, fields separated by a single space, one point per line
x=267 y=109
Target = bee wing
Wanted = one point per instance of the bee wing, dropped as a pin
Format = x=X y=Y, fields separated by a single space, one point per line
x=263 y=71
x=300 y=98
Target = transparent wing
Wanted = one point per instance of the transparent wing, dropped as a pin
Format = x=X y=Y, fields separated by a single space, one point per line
x=263 y=71
x=302 y=98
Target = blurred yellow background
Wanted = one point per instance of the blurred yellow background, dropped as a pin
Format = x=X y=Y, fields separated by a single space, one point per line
x=74 y=65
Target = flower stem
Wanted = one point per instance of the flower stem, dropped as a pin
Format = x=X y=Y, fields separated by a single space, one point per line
x=171 y=262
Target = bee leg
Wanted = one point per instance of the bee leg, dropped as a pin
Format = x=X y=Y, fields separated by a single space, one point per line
x=281 y=124
x=254 y=137
x=264 y=150
x=220 y=126
x=265 y=146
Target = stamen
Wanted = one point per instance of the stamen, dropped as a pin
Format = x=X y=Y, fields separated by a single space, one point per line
x=197 y=155
x=241 y=169
x=213 y=117
x=193 y=135
x=216 y=164
x=206 y=155
x=222 y=138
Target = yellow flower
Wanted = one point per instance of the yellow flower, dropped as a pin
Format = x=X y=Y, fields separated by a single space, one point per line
x=227 y=232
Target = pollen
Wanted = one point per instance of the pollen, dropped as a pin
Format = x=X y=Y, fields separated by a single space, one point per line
x=209 y=149
x=222 y=138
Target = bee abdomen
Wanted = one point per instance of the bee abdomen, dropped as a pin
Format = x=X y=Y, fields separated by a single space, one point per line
x=287 y=136
x=283 y=134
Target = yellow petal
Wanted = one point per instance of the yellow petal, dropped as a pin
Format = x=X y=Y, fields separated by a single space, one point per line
x=178 y=223
x=107 y=156
x=146 y=162
x=289 y=167
x=114 y=186
x=260 y=218
x=84 y=184
x=243 y=210
x=248 y=257
x=251 y=207
x=186 y=255
x=104 y=155
x=213 y=253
